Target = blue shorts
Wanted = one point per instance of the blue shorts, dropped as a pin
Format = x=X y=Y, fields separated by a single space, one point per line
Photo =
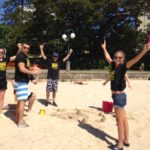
x=22 y=91
x=119 y=100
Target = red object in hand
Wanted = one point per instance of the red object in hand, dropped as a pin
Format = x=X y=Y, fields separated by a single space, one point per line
x=107 y=107
x=148 y=38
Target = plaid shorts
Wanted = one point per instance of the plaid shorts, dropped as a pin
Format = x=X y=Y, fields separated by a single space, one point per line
x=52 y=85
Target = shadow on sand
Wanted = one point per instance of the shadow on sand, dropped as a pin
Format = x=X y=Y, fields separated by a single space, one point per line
x=100 y=109
x=44 y=102
x=97 y=133
x=11 y=112
x=97 y=108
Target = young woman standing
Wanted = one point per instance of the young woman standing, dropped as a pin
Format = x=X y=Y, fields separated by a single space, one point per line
x=118 y=85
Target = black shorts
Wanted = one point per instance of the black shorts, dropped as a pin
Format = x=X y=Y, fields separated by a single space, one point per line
x=3 y=84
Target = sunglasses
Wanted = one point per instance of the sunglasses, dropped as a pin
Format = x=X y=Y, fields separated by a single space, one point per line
x=26 y=47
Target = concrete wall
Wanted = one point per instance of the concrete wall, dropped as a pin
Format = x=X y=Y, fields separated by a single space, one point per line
x=87 y=75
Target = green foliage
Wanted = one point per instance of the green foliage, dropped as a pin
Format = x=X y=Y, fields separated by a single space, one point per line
x=6 y=37
x=89 y=19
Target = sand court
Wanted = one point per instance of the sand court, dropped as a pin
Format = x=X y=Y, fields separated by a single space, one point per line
x=78 y=122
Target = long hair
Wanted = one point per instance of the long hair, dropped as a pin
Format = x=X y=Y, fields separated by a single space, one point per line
x=5 y=51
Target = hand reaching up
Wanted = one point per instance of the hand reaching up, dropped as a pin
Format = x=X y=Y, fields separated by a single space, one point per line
x=71 y=51
x=41 y=46
x=103 y=45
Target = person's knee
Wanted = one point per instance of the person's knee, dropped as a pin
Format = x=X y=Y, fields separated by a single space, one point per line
x=21 y=103
x=119 y=119
x=33 y=97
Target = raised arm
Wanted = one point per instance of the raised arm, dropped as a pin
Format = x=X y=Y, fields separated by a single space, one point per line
x=107 y=56
x=42 y=51
x=68 y=55
x=131 y=62
x=19 y=45
x=12 y=58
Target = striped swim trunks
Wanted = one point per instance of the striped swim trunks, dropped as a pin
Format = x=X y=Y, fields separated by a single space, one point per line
x=22 y=91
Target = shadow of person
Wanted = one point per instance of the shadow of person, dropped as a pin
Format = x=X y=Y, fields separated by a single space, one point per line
x=97 y=108
x=101 y=109
x=42 y=101
x=11 y=112
x=97 y=133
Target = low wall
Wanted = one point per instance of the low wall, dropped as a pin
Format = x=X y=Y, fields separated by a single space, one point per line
x=86 y=75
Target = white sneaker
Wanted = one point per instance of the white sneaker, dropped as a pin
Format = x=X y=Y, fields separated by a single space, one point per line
x=23 y=125
x=2 y=116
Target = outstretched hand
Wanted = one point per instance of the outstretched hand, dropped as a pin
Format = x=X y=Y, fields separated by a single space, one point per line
x=147 y=47
x=103 y=45
x=19 y=45
x=71 y=51
x=41 y=46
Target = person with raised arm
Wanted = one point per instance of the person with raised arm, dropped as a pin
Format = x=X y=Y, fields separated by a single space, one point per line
x=23 y=74
x=53 y=73
x=3 y=81
x=19 y=46
x=118 y=85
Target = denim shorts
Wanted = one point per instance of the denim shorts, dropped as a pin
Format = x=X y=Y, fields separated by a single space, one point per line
x=119 y=100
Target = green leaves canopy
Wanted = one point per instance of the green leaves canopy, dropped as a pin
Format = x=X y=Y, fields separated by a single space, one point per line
x=89 y=19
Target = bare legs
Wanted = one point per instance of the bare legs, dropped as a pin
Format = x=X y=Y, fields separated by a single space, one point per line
x=21 y=106
x=2 y=95
x=47 y=95
x=123 y=128
x=126 y=129
x=31 y=102
x=53 y=96
x=20 y=111
x=51 y=87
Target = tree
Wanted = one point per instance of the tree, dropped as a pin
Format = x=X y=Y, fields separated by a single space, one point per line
x=91 y=20
x=17 y=18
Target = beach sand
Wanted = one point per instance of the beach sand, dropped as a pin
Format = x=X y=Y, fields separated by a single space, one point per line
x=78 y=122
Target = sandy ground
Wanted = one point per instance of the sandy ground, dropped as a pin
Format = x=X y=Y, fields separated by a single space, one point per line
x=78 y=122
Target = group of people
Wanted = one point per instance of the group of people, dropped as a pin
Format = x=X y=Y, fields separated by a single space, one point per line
x=24 y=72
